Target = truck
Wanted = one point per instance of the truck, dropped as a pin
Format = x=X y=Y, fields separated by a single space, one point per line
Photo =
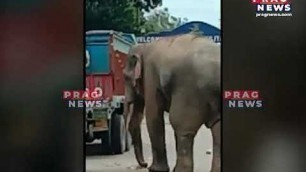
x=106 y=54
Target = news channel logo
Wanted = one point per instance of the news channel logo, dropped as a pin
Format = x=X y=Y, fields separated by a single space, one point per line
x=84 y=98
x=273 y=8
x=242 y=99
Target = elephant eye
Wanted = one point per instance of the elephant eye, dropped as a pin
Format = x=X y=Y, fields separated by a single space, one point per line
x=126 y=77
x=132 y=60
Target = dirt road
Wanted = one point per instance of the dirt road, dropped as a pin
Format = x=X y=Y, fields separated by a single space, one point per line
x=127 y=162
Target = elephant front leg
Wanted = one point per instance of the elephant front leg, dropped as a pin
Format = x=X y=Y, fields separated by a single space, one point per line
x=186 y=121
x=216 y=133
x=156 y=129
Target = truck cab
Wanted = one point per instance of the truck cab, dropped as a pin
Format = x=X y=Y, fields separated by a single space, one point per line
x=106 y=54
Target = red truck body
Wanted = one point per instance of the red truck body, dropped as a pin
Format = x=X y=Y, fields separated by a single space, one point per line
x=106 y=54
x=113 y=83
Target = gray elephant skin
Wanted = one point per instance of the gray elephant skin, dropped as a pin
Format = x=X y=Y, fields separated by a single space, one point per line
x=179 y=75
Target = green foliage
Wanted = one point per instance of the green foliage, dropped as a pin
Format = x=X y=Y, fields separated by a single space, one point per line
x=161 y=20
x=121 y=15
x=148 y=5
x=128 y=16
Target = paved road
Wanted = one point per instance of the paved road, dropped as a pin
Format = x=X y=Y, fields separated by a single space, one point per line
x=127 y=162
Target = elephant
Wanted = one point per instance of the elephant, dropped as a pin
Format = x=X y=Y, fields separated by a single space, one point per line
x=179 y=75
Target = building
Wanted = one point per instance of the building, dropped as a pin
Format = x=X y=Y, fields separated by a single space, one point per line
x=196 y=26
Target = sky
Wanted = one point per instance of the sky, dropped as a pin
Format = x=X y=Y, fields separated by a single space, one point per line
x=208 y=11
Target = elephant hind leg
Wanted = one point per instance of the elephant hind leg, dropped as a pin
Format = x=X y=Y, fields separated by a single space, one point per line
x=186 y=122
x=184 y=143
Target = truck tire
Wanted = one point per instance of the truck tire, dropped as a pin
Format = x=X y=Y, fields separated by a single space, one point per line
x=118 y=134
x=88 y=138
x=106 y=144
x=89 y=135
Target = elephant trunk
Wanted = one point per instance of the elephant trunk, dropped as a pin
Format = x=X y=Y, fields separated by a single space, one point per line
x=133 y=126
x=127 y=111
x=136 y=137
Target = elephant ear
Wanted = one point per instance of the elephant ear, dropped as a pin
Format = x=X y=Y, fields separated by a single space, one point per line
x=137 y=69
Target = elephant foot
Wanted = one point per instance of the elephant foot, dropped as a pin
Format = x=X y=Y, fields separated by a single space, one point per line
x=159 y=168
x=215 y=170
x=150 y=170
x=176 y=169
x=143 y=164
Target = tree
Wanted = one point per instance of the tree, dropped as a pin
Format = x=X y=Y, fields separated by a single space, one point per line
x=148 y=5
x=161 y=20
x=128 y=16
x=120 y=15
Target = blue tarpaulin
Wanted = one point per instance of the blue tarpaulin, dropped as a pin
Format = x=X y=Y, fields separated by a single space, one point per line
x=201 y=27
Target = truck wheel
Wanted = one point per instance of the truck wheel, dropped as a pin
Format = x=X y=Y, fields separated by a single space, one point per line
x=88 y=138
x=118 y=135
x=128 y=141
x=106 y=142
x=89 y=135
